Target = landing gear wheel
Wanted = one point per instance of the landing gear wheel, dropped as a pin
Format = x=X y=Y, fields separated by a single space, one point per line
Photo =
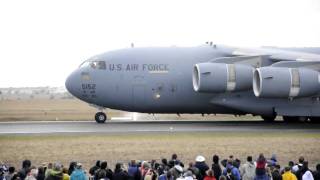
x=269 y=118
x=286 y=119
x=315 y=120
x=100 y=117
x=294 y=119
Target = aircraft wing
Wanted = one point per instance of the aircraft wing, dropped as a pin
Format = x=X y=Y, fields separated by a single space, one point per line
x=277 y=55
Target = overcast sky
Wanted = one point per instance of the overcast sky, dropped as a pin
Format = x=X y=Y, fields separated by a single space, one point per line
x=41 y=41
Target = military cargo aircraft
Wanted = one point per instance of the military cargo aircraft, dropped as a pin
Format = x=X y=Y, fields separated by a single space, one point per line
x=207 y=79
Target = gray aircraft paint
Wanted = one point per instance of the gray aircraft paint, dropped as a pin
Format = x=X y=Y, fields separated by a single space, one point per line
x=159 y=80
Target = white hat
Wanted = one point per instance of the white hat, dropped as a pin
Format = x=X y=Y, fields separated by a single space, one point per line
x=200 y=158
x=178 y=168
x=79 y=165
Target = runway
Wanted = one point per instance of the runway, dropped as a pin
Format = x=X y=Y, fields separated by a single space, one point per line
x=74 y=127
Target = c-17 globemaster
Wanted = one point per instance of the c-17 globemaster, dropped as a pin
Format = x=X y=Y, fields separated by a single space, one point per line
x=208 y=79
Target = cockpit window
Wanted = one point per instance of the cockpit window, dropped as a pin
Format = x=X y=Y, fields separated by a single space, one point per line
x=94 y=64
x=98 y=64
x=84 y=64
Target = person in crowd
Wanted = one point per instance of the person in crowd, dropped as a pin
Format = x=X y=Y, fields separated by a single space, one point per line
x=55 y=173
x=248 y=169
x=261 y=173
x=201 y=165
x=32 y=174
x=65 y=175
x=175 y=161
x=166 y=176
x=176 y=171
x=2 y=175
x=316 y=173
x=209 y=175
x=78 y=173
x=224 y=163
x=133 y=171
x=104 y=172
x=119 y=173
x=11 y=172
x=94 y=168
x=222 y=177
x=151 y=175
x=48 y=170
x=26 y=164
x=231 y=171
x=194 y=170
x=145 y=166
x=164 y=164
x=188 y=175
x=273 y=160
x=269 y=173
x=216 y=167
x=229 y=174
x=288 y=175
x=237 y=163
x=275 y=172
x=291 y=164
x=304 y=173
x=41 y=173
x=298 y=166
x=72 y=167
x=16 y=177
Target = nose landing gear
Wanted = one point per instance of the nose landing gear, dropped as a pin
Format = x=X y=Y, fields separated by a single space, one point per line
x=100 y=117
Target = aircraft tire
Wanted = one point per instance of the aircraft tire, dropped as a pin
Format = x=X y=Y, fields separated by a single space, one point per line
x=269 y=118
x=315 y=120
x=294 y=119
x=100 y=117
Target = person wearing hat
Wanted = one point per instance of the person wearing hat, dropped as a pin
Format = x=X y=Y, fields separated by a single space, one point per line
x=78 y=173
x=202 y=166
x=176 y=171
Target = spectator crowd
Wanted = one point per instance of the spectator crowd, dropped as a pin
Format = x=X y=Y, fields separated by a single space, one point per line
x=174 y=169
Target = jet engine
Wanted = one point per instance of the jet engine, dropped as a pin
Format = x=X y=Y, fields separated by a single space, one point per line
x=283 y=82
x=220 y=77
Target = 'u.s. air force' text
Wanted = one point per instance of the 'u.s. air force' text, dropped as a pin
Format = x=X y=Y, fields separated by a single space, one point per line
x=138 y=67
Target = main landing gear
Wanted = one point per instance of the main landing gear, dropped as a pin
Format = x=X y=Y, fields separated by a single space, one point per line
x=100 y=117
x=269 y=118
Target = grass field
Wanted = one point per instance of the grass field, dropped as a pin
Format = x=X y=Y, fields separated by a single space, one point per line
x=122 y=148
x=72 y=109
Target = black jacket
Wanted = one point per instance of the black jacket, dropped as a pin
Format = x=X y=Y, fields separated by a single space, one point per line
x=217 y=170
x=120 y=175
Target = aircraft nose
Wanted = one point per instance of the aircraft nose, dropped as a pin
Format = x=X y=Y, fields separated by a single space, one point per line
x=70 y=83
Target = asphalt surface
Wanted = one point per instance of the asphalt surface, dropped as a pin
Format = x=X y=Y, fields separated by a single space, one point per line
x=74 y=127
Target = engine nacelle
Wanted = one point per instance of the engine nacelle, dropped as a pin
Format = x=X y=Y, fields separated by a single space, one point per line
x=282 y=82
x=219 y=77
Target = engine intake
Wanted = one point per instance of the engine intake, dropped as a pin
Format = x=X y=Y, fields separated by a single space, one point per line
x=282 y=82
x=220 y=77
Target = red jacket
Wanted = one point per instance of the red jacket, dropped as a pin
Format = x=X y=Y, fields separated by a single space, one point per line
x=209 y=178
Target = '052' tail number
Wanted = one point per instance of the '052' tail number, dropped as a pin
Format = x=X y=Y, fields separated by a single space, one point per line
x=89 y=90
